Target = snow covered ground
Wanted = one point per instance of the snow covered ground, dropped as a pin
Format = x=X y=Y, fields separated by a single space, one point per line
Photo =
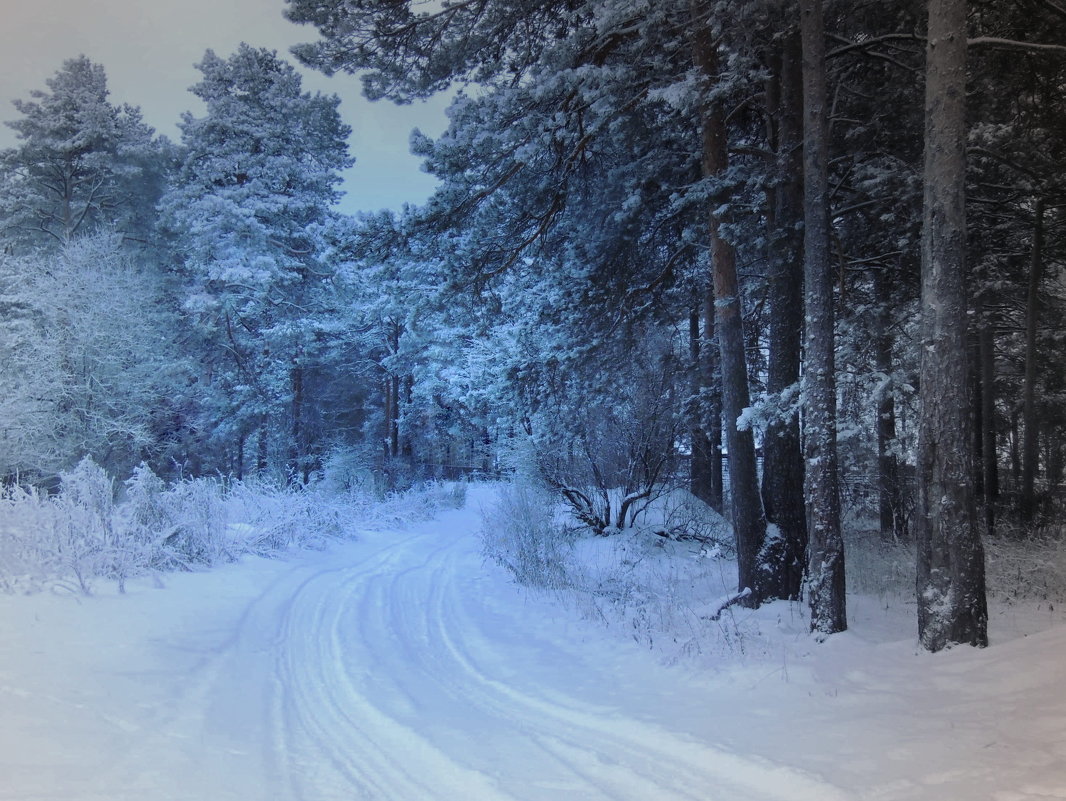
x=402 y=667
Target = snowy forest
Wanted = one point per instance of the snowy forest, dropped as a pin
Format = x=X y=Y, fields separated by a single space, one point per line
x=804 y=263
x=676 y=448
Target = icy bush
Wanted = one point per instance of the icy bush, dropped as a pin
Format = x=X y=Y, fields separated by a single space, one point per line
x=1033 y=568
x=661 y=582
x=347 y=470
x=29 y=552
x=84 y=530
x=81 y=535
x=521 y=533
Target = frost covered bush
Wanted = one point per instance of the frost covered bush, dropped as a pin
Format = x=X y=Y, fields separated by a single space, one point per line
x=73 y=537
x=84 y=526
x=276 y=519
x=659 y=581
x=28 y=549
x=1033 y=568
x=420 y=502
x=881 y=569
x=530 y=533
x=82 y=535
x=347 y=470
x=196 y=530
x=522 y=533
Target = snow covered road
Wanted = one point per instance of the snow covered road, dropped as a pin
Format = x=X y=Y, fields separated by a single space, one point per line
x=400 y=667
x=395 y=669
x=394 y=680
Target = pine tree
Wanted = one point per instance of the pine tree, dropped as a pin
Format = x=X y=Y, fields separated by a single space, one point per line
x=951 y=578
x=825 y=563
x=783 y=466
x=250 y=208
x=81 y=164
x=582 y=155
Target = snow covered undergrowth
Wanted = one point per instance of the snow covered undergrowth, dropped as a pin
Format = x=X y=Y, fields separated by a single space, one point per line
x=403 y=665
x=68 y=541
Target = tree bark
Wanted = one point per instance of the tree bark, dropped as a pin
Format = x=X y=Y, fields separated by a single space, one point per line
x=706 y=469
x=240 y=455
x=1030 y=421
x=890 y=491
x=386 y=387
x=950 y=560
x=298 y=466
x=261 y=461
x=783 y=468
x=749 y=525
x=977 y=409
x=713 y=425
x=990 y=462
x=825 y=562
x=394 y=427
x=700 y=464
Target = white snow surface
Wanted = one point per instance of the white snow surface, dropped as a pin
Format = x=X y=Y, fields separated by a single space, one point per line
x=401 y=667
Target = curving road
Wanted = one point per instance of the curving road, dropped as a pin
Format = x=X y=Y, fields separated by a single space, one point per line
x=399 y=667
x=410 y=673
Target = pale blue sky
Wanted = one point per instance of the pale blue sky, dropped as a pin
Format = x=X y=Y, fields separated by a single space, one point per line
x=148 y=48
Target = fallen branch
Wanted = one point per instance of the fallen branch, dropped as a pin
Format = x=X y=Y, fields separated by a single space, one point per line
x=722 y=604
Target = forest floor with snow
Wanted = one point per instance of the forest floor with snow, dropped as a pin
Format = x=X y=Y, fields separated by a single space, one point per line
x=401 y=664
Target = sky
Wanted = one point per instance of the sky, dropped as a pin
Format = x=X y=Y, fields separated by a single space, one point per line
x=149 y=47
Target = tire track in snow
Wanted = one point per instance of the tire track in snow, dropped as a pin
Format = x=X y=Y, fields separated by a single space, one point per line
x=392 y=691
x=336 y=741
x=385 y=679
x=634 y=752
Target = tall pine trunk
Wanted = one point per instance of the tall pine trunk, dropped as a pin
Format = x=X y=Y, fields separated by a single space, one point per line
x=950 y=560
x=1030 y=421
x=700 y=461
x=749 y=525
x=298 y=447
x=825 y=562
x=889 y=488
x=261 y=461
x=714 y=411
x=706 y=474
x=989 y=462
x=783 y=468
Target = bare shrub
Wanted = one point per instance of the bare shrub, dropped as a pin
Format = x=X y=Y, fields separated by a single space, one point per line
x=879 y=568
x=1033 y=568
x=81 y=534
x=656 y=582
x=83 y=527
x=521 y=533
x=29 y=555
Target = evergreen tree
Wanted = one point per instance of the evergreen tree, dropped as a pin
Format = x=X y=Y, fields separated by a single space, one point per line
x=825 y=563
x=82 y=164
x=951 y=579
x=583 y=156
x=250 y=208
x=783 y=465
